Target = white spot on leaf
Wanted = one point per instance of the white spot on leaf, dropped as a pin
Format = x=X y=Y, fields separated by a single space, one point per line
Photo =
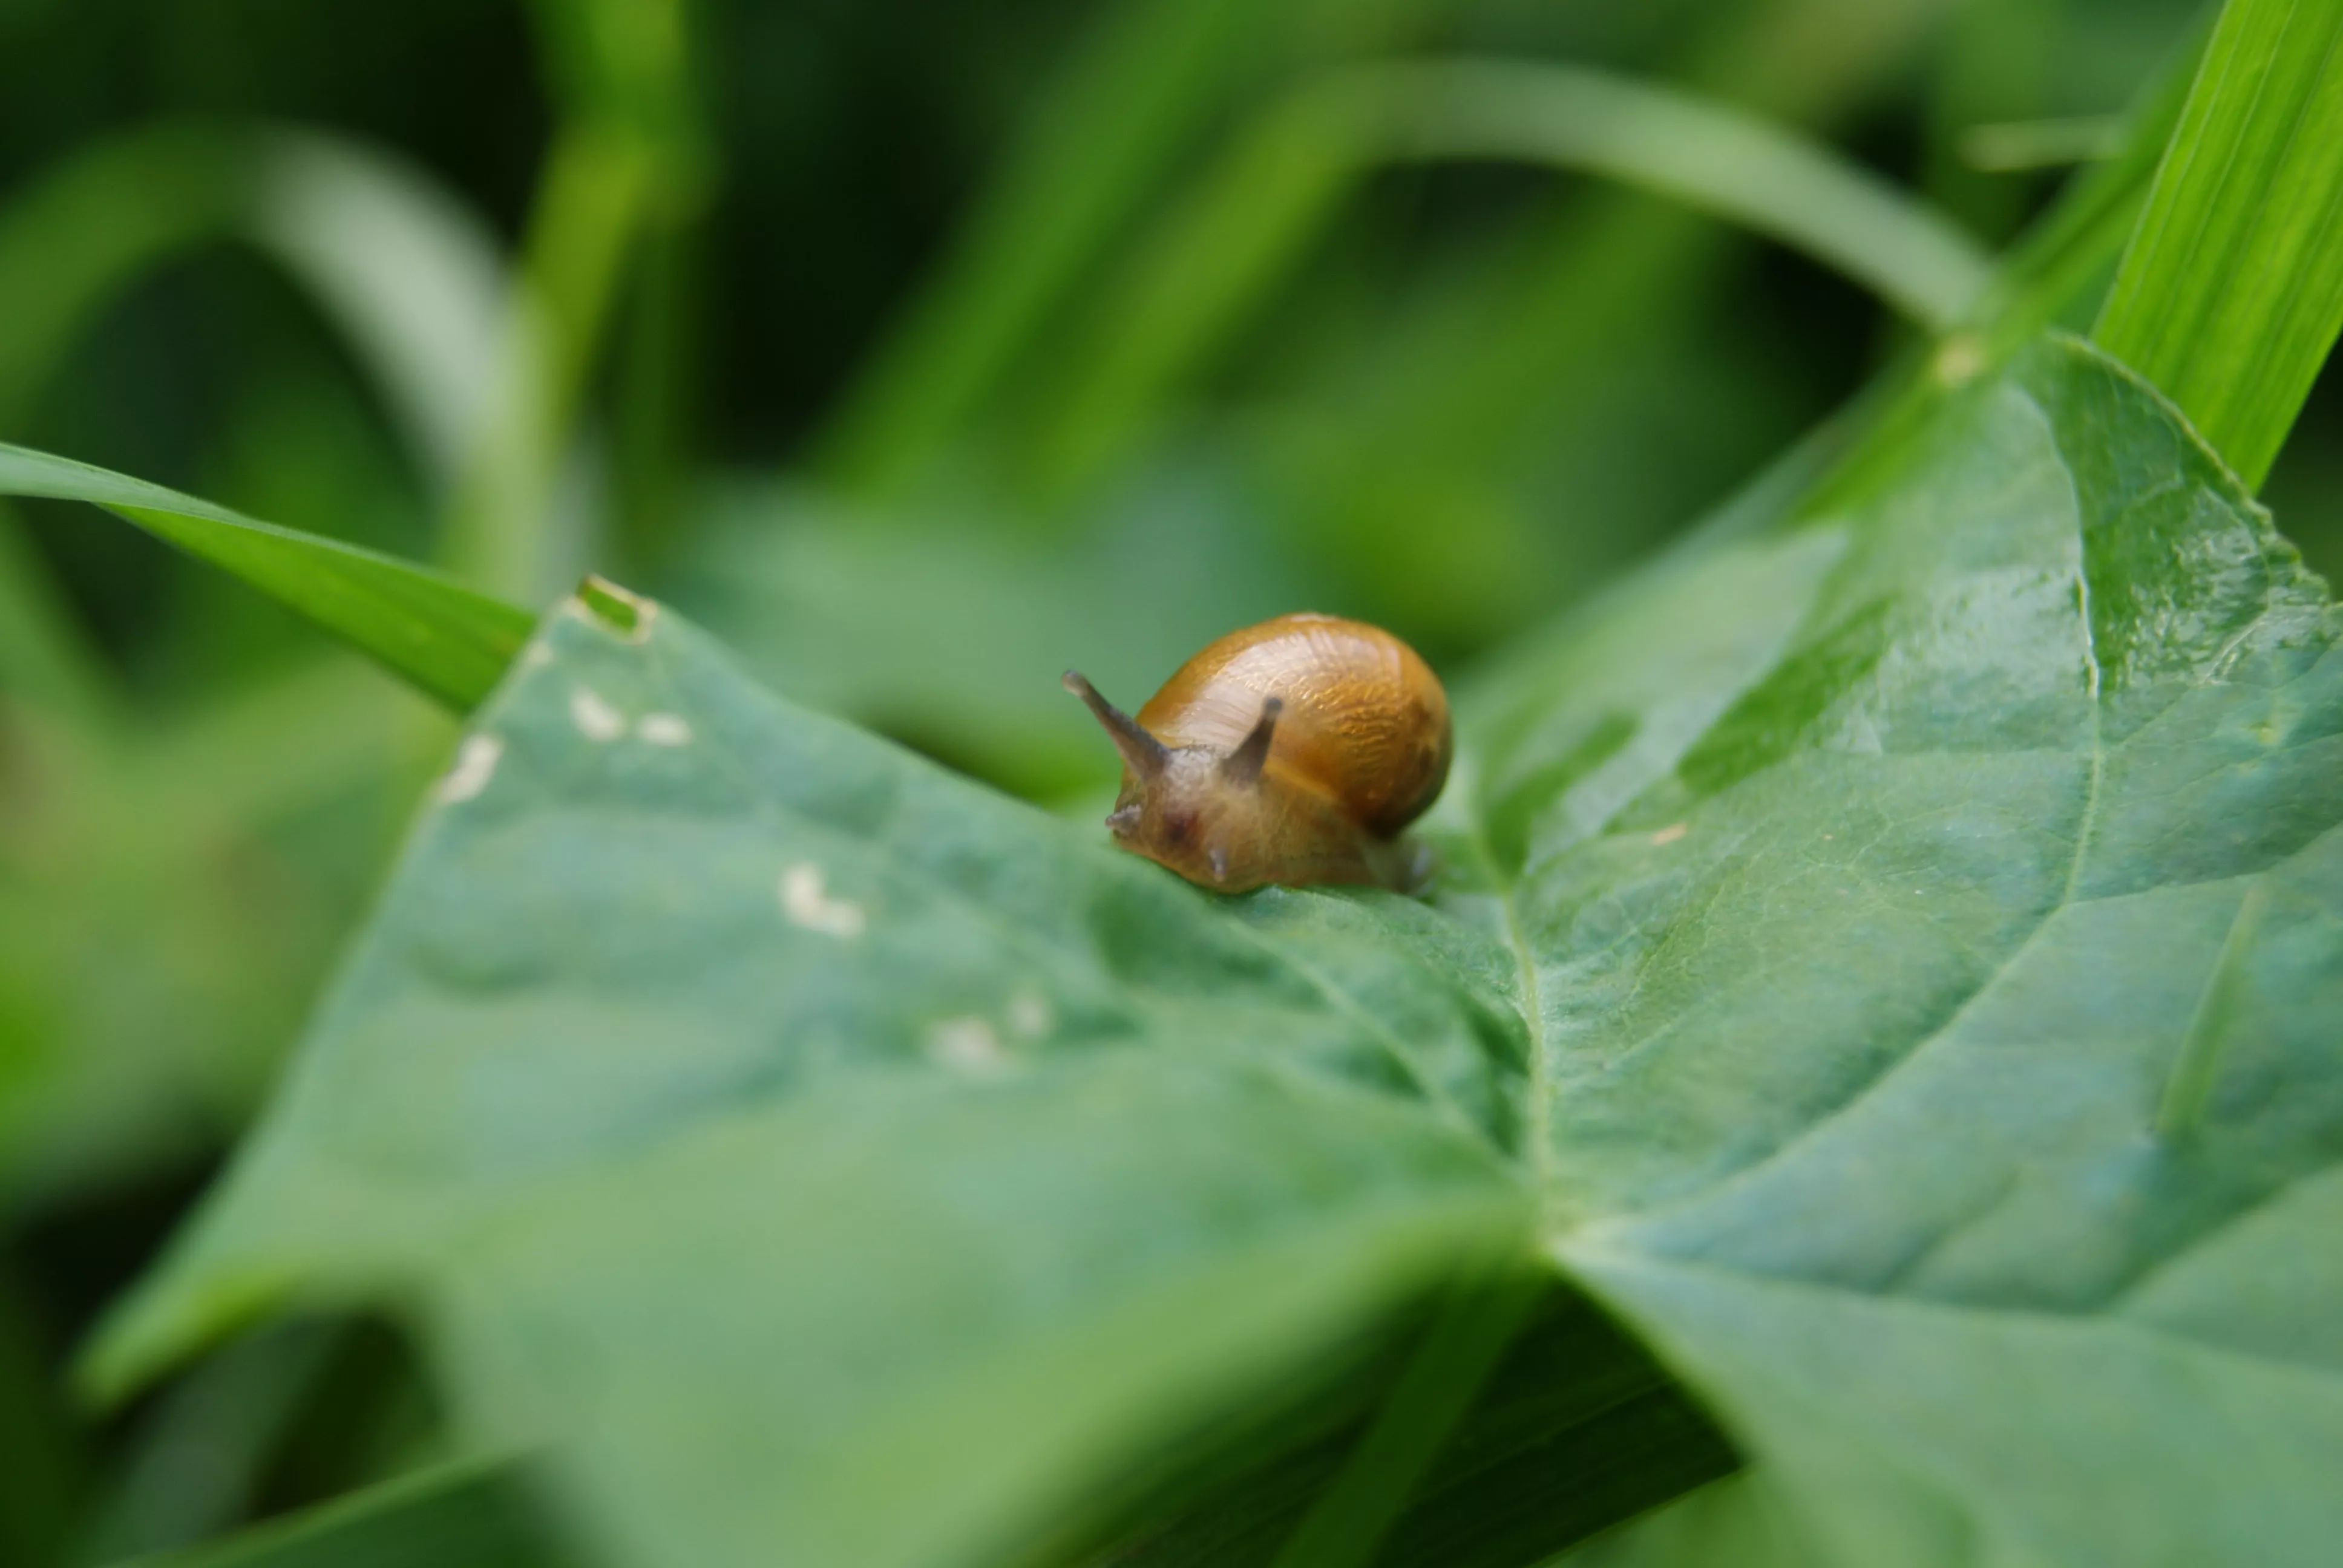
x=663 y=730
x=1670 y=833
x=595 y=718
x=475 y=764
x=966 y=1045
x=807 y=904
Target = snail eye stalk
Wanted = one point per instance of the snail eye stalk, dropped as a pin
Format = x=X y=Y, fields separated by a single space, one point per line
x=1145 y=753
x=1243 y=766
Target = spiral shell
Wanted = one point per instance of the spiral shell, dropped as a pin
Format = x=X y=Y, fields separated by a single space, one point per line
x=1293 y=751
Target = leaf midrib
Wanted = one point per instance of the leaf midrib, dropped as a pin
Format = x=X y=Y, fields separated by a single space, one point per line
x=1555 y=1226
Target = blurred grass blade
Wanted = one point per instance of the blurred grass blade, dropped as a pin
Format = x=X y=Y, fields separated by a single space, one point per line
x=2052 y=274
x=1384 y=1473
x=1246 y=228
x=2013 y=146
x=1733 y=165
x=2055 y=263
x=72 y=239
x=410 y=274
x=2231 y=292
x=81 y=231
x=1431 y=411
x=590 y=212
x=407 y=272
x=1091 y=154
x=44 y=655
x=198 y=1459
x=439 y=636
x=43 y=1461
x=1094 y=148
x=626 y=162
x=463 y=1516
x=1573 y=1432
x=1993 y=69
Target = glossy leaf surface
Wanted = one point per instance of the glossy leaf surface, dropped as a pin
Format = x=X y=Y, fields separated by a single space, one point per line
x=1895 y=955
x=706 y=1044
x=1882 y=926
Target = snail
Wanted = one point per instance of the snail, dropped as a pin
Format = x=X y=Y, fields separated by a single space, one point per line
x=1292 y=751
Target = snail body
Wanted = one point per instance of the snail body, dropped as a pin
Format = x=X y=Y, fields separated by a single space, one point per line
x=1293 y=751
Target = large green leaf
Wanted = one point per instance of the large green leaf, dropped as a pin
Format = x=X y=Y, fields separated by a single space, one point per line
x=704 y=1044
x=827 y=1161
x=1865 y=955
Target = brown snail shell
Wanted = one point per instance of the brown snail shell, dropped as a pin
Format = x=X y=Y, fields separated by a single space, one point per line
x=1293 y=751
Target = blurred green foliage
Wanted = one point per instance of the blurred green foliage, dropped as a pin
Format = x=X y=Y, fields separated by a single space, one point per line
x=822 y=321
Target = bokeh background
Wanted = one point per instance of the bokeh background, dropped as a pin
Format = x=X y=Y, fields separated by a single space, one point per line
x=920 y=349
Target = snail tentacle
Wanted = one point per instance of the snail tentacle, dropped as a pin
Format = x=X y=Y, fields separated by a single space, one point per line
x=1146 y=754
x=1243 y=765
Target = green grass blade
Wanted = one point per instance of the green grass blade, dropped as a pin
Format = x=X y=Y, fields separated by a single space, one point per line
x=628 y=161
x=1994 y=67
x=412 y=276
x=1382 y=1475
x=469 y=1514
x=408 y=274
x=1247 y=226
x=71 y=240
x=2052 y=273
x=44 y=655
x=43 y=1454
x=439 y=636
x=2231 y=292
x=591 y=206
x=238 y=1410
x=1095 y=146
x=2019 y=146
x=79 y=233
x=1571 y=1432
x=1466 y=381
x=1736 y=166
x=2059 y=261
x=1131 y=104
